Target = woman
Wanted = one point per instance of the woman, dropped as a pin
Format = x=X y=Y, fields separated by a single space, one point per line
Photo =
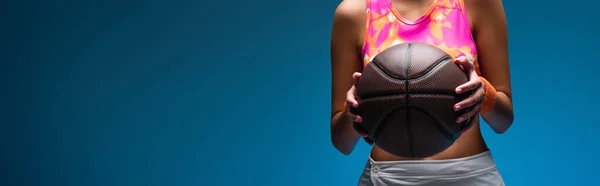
x=474 y=33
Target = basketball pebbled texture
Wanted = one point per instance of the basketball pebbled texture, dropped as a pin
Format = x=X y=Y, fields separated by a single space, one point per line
x=407 y=94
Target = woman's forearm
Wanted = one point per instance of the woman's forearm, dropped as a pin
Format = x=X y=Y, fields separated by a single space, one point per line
x=501 y=117
x=343 y=135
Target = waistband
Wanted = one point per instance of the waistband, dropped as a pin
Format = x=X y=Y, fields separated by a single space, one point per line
x=478 y=163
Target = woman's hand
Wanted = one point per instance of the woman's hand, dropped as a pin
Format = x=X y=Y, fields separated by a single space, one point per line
x=352 y=102
x=475 y=85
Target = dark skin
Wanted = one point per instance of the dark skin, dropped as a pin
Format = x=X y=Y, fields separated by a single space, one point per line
x=488 y=24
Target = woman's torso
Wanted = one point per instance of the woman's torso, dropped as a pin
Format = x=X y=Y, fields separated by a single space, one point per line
x=442 y=23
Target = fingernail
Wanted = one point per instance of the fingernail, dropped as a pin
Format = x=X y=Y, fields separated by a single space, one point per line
x=456 y=107
x=460 y=119
x=358 y=119
x=458 y=89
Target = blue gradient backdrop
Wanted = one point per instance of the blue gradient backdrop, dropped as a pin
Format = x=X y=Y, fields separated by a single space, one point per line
x=182 y=93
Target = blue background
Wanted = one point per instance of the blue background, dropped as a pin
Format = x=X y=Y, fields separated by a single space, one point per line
x=182 y=92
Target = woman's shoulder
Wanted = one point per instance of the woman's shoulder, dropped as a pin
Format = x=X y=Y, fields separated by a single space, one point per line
x=351 y=9
x=349 y=20
x=350 y=12
x=481 y=10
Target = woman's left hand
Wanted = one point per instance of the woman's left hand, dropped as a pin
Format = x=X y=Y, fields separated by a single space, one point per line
x=475 y=85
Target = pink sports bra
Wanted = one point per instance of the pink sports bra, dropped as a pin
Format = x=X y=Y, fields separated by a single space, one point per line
x=445 y=25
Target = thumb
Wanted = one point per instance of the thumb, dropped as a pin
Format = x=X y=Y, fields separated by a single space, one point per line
x=464 y=63
x=356 y=77
x=461 y=60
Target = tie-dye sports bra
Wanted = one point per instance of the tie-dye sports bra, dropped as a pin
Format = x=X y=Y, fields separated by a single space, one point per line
x=445 y=25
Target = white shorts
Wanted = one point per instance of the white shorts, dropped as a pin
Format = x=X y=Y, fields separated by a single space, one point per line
x=476 y=170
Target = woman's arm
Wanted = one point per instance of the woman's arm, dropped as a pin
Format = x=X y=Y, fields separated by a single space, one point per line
x=491 y=37
x=345 y=60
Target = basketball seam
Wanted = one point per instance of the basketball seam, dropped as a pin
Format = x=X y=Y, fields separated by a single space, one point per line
x=378 y=128
x=428 y=74
x=429 y=69
x=407 y=107
x=413 y=93
x=436 y=65
x=409 y=134
x=436 y=123
x=379 y=68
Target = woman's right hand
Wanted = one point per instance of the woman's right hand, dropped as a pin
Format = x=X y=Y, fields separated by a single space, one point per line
x=352 y=102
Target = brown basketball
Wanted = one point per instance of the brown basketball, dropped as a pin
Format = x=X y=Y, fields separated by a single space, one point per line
x=407 y=94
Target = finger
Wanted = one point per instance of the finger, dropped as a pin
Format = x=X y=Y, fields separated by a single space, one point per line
x=472 y=84
x=460 y=60
x=473 y=74
x=356 y=77
x=473 y=99
x=353 y=117
x=351 y=100
x=464 y=63
x=474 y=81
x=469 y=114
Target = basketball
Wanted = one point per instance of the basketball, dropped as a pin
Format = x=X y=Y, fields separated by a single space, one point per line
x=407 y=97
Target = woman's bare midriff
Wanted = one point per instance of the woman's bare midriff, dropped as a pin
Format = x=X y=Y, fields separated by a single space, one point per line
x=468 y=144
